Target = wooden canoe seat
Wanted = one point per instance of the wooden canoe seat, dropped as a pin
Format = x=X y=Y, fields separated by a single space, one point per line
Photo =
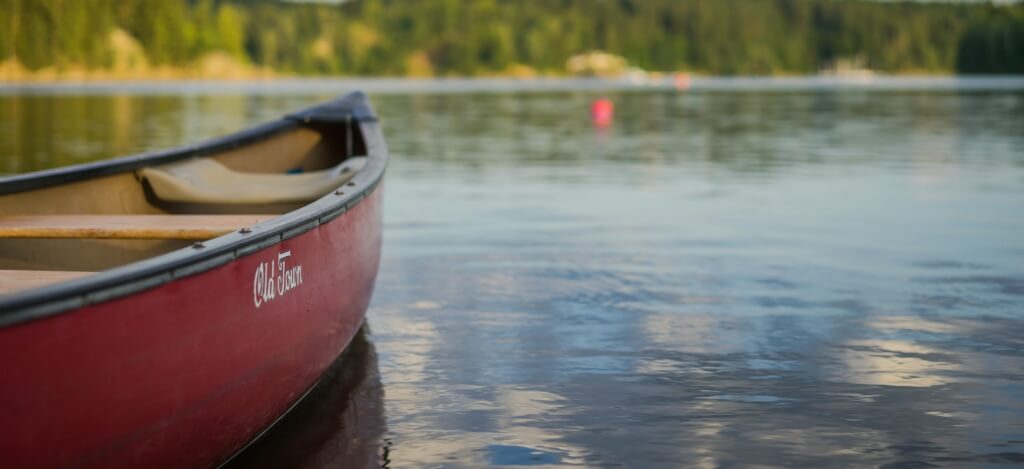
x=206 y=181
x=182 y=227
x=17 y=280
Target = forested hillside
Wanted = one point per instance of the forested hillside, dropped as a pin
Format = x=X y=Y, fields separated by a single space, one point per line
x=482 y=37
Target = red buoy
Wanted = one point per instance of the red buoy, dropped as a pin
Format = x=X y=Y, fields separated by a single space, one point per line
x=601 y=112
x=681 y=81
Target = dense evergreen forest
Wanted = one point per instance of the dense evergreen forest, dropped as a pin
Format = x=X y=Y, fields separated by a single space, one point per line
x=482 y=37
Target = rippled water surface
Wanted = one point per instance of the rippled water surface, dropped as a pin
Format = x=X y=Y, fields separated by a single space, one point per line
x=805 y=278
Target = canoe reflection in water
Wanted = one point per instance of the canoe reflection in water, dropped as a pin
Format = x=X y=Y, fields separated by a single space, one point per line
x=339 y=424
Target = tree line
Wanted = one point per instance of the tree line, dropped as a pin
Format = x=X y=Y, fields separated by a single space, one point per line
x=487 y=37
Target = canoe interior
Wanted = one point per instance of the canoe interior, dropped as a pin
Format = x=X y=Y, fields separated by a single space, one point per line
x=298 y=149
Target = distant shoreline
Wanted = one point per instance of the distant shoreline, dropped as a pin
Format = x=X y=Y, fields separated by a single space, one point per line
x=498 y=85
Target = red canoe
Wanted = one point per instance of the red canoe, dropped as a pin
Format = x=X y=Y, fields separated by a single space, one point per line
x=165 y=309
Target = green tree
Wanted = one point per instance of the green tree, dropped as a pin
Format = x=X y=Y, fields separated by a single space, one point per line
x=378 y=37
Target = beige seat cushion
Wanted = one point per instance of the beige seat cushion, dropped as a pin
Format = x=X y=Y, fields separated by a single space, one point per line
x=206 y=181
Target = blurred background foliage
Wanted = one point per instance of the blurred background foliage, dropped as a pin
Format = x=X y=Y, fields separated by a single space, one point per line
x=522 y=37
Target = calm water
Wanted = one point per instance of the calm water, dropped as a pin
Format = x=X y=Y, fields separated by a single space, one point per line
x=735 y=277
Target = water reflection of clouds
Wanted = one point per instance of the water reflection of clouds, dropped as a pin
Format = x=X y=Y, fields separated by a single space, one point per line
x=893 y=363
x=901 y=351
x=698 y=333
x=506 y=425
x=713 y=275
x=525 y=416
x=891 y=324
x=918 y=351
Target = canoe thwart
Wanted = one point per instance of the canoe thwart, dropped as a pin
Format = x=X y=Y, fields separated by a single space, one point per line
x=181 y=227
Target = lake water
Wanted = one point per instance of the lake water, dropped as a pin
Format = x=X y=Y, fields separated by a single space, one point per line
x=739 y=276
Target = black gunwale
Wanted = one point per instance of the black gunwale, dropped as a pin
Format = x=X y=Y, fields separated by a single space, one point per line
x=66 y=297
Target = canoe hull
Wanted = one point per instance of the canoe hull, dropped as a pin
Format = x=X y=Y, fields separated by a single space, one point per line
x=187 y=372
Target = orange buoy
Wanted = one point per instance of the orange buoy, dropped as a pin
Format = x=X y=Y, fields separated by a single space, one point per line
x=601 y=111
x=681 y=81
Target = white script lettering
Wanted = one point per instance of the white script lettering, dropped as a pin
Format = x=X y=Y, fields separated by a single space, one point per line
x=275 y=279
